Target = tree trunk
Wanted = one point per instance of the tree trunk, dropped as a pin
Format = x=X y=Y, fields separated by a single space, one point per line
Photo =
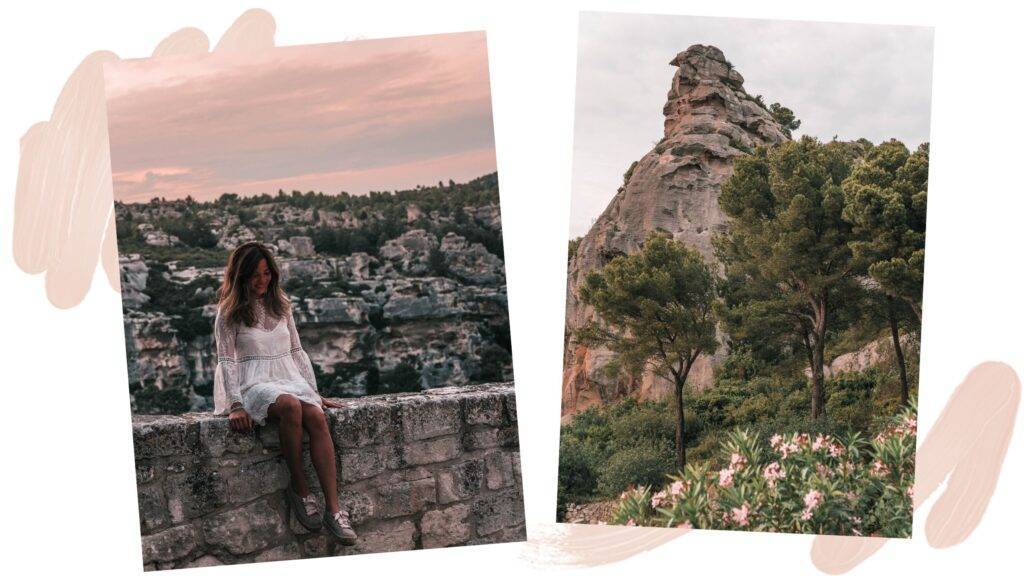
x=680 y=427
x=680 y=381
x=818 y=361
x=898 y=348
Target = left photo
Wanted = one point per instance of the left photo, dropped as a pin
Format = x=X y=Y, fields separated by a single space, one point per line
x=315 y=310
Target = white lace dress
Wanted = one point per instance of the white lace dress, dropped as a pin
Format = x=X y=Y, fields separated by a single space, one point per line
x=256 y=364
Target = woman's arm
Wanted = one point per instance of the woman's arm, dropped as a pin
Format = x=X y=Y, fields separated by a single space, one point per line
x=226 y=388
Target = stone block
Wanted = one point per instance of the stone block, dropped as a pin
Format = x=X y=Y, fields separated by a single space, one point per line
x=362 y=463
x=164 y=436
x=499 y=470
x=480 y=439
x=357 y=426
x=438 y=417
x=217 y=438
x=485 y=408
x=168 y=545
x=386 y=537
x=461 y=481
x=433 y=450
x=250 y=528
x=448 y=527
x=510 y=407
x=497 y=511
x=194 y=493
x=405 y=498
x=153 y=512
x=256 y=479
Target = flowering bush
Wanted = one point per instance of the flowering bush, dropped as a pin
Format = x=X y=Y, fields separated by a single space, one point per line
x=794 y=483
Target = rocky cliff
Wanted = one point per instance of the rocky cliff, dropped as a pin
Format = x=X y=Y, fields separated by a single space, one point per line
x=389 y=292
x=709 y=121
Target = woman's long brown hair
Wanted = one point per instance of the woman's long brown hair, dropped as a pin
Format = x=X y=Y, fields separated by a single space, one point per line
x=235 y=298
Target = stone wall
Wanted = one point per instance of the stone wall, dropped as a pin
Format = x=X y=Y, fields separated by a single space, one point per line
x=420 y=470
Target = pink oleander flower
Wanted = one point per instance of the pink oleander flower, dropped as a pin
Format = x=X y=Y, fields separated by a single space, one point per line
x=835 y=450
x=631 y=522
x=737 y=461
x=677 y=488
x=851 y=496
x=879 y=468
x=822 y=470
x=725 y=477
x=658 y=498
x=803 y=439
x=819 y=443
x=789 y=448
x=910 y=424
x=811 y=501
x=855 y=519
x=773 y=472
x=910 y=492
x=776 y=440
x=741 y=515
x=686 y=525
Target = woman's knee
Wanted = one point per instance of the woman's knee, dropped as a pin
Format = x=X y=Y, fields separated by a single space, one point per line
x=288 y=408
x=313 y=418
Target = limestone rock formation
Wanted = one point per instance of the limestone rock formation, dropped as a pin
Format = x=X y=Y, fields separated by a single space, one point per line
x=709 y=121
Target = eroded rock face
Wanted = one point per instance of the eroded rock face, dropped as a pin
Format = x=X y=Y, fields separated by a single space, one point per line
x=709 y=121
x=432 y=309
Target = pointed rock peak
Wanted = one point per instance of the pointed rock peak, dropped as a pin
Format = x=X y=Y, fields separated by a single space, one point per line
x=707 y=93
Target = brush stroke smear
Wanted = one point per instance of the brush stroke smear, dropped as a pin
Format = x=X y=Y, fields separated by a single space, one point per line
x=968 y=445
x=63 y=203
x=353 y=116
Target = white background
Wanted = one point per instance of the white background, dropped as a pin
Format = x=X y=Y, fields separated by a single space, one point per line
x=68 y=478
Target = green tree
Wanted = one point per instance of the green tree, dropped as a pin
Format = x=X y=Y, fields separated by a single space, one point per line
x=886 y=199
x=654 y=310
x=785 y=117
x=786 y=253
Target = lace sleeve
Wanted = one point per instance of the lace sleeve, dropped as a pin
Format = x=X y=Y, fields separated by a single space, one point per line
x=302 y=360
x=226 y=391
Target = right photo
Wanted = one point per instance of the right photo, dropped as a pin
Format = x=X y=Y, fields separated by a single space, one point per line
x=745 y=275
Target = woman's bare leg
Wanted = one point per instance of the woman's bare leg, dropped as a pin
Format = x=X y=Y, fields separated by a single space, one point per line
x=321 y=452
x=287 y=410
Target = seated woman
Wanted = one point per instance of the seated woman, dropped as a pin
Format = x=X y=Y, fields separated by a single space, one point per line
x=262 y=371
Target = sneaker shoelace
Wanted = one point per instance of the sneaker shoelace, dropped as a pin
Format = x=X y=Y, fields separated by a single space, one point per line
x=309 y=503
x=341 y=516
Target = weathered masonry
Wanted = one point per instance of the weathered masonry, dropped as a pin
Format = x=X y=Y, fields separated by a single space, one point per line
x=420 y=470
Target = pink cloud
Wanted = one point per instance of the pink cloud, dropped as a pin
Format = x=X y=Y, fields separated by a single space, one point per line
x=333 y=116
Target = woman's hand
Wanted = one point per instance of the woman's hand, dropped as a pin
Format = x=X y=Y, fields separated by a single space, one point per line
x=328 y=403
x=239 y=420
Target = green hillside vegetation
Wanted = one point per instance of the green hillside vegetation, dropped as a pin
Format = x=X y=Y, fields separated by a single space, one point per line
x=824 y=255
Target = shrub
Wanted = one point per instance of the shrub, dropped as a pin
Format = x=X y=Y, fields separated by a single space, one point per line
x=811 y=483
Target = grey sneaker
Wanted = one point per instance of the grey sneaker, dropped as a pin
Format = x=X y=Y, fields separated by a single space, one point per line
x=338 y=524
x=306 y=510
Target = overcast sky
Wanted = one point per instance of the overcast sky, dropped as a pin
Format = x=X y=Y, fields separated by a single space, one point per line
x=355 y=116
x=845 y=80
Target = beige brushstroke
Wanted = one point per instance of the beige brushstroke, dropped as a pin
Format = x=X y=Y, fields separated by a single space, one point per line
x=63 y=203
x=591 y=545
x=968 y=442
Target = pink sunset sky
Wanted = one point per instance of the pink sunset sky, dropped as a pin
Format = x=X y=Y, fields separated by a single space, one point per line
x=355 y=116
